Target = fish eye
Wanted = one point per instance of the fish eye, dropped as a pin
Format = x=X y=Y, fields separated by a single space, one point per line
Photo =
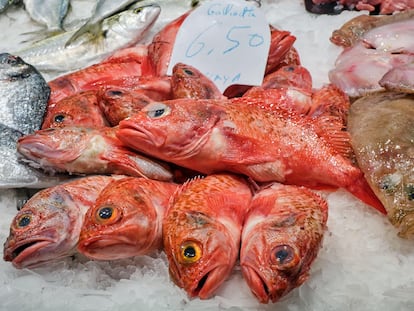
x=284 y=257
x=289 y=68
x=59 y=118
x=190 y=252
x=410 y=192
x=389 y=183
x=188 y=72
x=106 y=214
x=23 y=221
x=157 y=110
x=114 y=93
x=138 y=10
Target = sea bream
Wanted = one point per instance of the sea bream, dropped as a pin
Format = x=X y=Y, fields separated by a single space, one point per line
x=126 y=219
x=118 y=31
x=47 y=227
x=202 y=230
x=210 y=136
x=50 y=15
x=281 y=237
x=382 y=136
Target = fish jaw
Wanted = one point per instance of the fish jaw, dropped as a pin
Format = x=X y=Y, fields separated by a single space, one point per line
x=31 y=252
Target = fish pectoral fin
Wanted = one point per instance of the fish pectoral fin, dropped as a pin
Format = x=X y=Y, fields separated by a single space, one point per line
x=91 y=29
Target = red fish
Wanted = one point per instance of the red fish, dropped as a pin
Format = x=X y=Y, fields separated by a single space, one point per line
x=189 y=82
x=281 y=238
x=48 y=226
x=212 y=136
x=79 y=150
x=202 y=231
x=80 y=109
x=126 y=219
x=118 y=104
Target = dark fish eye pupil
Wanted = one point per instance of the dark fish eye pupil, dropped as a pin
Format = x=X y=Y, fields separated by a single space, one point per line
x=189 y=252
x=289 y=68
x=188 y=72
x=114 y=93
x=59 y=118
x=24 y=221
x=105 y=212
x=281 y=255
x=159 y=112
x=410 y=192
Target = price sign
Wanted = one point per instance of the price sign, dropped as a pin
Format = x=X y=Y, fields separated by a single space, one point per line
x=227 y=40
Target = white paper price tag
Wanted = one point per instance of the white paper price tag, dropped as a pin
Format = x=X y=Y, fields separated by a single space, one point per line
x=227 y=40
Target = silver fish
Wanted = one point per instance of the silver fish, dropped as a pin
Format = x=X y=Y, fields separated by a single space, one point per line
x=102 y=10
x=4 y=4
x=23 y=94
x=382 y=136
x=115 y=32
x=50 y=15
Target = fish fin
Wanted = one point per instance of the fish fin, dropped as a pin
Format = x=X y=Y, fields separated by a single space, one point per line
x=124 y=161
x=332 y=131
x=183 y=188
x=92 y=29
x=361 y=189
x=40 y=35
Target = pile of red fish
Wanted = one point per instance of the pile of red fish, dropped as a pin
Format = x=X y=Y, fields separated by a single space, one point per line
x=210 y=178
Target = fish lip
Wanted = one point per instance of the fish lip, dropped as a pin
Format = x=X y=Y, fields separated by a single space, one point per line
x=101 y=242
x=253 y=277
x=30 y=247
x=130 y=129
x=205 y=286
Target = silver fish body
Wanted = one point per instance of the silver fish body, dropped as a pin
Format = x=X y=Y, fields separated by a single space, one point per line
x=116 y=32
x=50 y=15
x=23 y=94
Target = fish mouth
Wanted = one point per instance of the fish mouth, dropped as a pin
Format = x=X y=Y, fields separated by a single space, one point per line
x=205 y=286
x=108 y=247
x=261 y=288
x=22 y=251
x=134 y=135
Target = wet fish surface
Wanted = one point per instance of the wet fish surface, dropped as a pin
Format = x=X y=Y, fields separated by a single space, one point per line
x=281 y=237
x=50 y=15
x=116 y=32
x=47 y=227
x=382 y=135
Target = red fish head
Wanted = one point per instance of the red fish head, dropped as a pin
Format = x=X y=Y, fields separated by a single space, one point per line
x=189 y=82
x=125 y=220
x=43 y=230
x=287 y=76
x=170 y=130
x=272 y=269
x=201 y=253
x=54 y=146
x=80 y=109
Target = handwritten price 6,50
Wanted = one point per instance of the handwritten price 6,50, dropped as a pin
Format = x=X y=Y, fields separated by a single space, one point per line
x=232 y=41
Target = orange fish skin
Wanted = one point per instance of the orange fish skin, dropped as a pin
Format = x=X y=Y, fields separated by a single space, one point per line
x=48 y=226
x=212 y=136
x=79 y=150
x=281 y=238
x=189 y=82
x=80 y=109
x=118 y=104
x=126 y=219
x=202 y=230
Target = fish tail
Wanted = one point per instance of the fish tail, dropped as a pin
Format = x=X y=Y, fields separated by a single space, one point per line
x=361 y=189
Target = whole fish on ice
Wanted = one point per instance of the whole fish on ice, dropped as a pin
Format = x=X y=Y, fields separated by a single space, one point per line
x=48 y=226
x=202 y=230
x=118 y=31
x=382 y=135
x=50 y=15
x=126 y=219
x=80 y=150
x=281 y=237
x=209 y=136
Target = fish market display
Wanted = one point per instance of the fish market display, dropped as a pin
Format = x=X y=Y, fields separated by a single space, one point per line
x=118 y=31
x=378 y=51
x=48 y=225
x=376 y=6
x=212 y=136
x=126 y=219
x=281 y=237
x=80 y=150
x=382 y=132
x=399 y=79
x=50 y=15
x=202 y=230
